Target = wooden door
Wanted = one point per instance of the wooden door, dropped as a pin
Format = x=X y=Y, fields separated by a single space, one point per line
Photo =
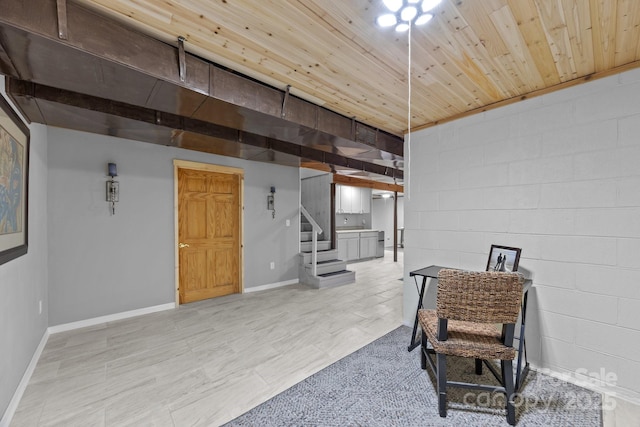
x=209 y=248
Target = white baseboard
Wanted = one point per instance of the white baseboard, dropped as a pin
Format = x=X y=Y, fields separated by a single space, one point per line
x=15 y=400
x=110 y=318
x=271 y=286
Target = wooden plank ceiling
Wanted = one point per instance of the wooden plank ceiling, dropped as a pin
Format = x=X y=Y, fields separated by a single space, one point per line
x=472 y=55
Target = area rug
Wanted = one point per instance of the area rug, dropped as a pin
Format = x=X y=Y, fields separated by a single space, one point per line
x=382 y=384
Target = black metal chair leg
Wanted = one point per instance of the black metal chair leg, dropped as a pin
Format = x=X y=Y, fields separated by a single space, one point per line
x=423 y=351
x=442 y=384
x=478 y=366
x=507 y=378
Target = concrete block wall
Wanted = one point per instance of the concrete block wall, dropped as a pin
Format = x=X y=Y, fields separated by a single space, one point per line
x=558 y=176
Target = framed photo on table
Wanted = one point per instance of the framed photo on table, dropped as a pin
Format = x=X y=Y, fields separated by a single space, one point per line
x=14 y=183
x=503 y=258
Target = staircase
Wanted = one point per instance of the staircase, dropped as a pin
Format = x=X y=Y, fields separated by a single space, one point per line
x=330 y=271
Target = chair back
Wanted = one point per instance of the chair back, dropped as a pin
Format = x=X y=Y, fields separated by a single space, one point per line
x=479 y=296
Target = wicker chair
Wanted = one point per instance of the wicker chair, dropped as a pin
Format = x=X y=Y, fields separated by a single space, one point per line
x=469 y=305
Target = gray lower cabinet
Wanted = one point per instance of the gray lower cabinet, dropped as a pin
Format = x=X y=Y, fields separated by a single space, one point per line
x=368 y=244
x=349 y=246
x=357 y=245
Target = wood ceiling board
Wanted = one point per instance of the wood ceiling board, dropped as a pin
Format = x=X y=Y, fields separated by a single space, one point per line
x=554 y=24
x=533 y=29
x=333 y=51
x=329 y=53
x=519 y=56
x=603 y=23
x=578 y=18
x=350 y=23
x=457 y=58
x=627 y=31
x=477 y=17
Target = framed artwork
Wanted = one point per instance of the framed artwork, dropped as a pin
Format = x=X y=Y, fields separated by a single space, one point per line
x=14 y=183
x=503 y=258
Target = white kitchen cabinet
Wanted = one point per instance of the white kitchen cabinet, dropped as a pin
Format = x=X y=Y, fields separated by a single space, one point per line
x=365 y=200
x=356 y=200
x=343 y=199
x=353 y=200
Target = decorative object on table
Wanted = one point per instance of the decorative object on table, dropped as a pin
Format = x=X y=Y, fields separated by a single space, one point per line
x=503 y=258
x=14 y=183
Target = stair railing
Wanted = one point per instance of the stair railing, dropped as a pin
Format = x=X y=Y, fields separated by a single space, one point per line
x=314 y=239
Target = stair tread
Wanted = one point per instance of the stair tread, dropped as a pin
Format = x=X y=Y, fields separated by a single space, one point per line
x=335 y=273
x=328 y=261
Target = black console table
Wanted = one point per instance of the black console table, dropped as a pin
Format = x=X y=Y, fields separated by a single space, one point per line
x=431 y=272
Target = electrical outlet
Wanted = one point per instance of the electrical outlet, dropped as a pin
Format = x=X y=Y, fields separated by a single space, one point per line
x=272 y=265
x=287 y=222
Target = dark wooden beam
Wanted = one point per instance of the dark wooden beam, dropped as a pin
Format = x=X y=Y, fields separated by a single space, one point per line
x=361 y=182
x=24 y=93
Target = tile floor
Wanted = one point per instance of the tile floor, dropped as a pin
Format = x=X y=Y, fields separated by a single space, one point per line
x=205 y=363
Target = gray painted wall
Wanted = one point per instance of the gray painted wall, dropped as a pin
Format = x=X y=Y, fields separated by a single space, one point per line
x=101 y=264
x=23 y=281
x=382 y=218
x=315 y=196
x=558 y=176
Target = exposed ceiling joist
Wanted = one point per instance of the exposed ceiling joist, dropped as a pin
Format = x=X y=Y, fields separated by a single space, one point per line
x=106 y=60
x=54 y=106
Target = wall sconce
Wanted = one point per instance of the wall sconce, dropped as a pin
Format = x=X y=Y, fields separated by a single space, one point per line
x=271 y=201
x=113 y=187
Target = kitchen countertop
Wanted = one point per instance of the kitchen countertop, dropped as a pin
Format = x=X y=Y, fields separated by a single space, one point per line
x=359 y=230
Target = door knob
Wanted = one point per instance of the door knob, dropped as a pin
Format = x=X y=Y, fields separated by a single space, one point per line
x=183 y=245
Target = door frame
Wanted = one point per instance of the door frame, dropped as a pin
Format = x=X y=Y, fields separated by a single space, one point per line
x=207 y=167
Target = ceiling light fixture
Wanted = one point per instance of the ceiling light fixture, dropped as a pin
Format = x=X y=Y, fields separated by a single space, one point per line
x=407 y=12
x=403 y=14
